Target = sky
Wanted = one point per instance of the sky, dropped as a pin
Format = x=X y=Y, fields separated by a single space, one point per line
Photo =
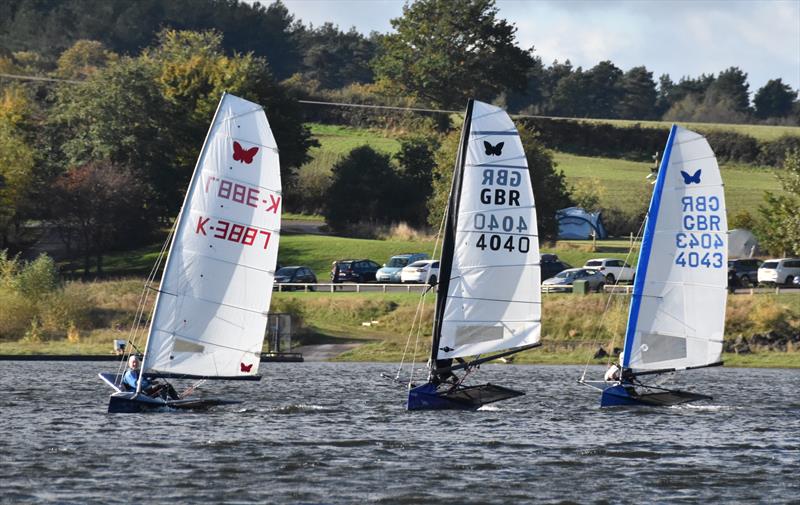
x=675 y=37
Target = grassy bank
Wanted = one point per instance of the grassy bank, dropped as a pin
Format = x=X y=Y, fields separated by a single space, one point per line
x=573 y=328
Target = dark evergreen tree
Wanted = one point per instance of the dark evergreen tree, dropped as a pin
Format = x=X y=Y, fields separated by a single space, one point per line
x=638 y=97
x=731 y=86
x=774 y=99
x=335 y=58
x=604 y=82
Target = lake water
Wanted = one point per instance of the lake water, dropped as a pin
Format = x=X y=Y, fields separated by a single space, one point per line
x=338 y=433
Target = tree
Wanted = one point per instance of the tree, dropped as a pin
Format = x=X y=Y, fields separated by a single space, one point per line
x=120 y=115
x=731 y=87
x=572 y=95
x=99 y=205
x=192 y=71
x=363 y=191
x=774 y=99
x=638 y=97
x=416 y=164
x=17 y=159
x=84 y=58
x=335 y=58
x=445 y=52
x=605 y=90
x=778 y=229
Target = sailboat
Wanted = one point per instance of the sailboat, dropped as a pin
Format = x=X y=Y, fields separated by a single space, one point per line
x=488 y=303
x=211 y=307
x=677 y=313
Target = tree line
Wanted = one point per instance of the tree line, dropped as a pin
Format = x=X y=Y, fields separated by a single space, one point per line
x=106 y=155
x=441 y=53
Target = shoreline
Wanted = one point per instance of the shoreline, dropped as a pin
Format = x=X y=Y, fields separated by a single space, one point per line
x=328 y=353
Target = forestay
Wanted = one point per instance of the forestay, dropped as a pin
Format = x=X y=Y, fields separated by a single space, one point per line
x=211 y=311
x=677 y=315
x=493 y=295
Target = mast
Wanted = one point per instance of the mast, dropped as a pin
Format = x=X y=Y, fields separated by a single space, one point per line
x=178 y=227
x=448 y=242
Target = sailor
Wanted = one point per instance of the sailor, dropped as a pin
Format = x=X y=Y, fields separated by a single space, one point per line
x=613 y=373
x=153 y=389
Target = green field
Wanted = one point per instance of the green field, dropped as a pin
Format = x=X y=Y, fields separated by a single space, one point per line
x=624 y=182
x=760 y=132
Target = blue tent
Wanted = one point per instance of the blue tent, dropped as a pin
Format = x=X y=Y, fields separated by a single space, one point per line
x=575 y=223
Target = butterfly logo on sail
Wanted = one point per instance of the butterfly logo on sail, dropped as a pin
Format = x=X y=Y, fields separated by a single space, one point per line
x=689 y=179
x=245 y=368
x=493 y=150
x=243 y=155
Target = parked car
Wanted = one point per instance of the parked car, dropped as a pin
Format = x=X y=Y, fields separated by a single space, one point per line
x=745 y=271
x=551 y=265
x=391 y=270
x=424 y=271
x=612 y=268
x=362 y=270
x=563 y=280
x=779 y=271
x=294 y=275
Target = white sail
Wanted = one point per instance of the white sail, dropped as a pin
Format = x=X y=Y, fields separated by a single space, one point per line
x=211 y=311
x=493 y=298
x=677 y=315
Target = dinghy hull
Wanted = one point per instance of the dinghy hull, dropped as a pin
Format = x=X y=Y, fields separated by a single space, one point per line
x=621 y=395
x=431 y=397
x=129 y=403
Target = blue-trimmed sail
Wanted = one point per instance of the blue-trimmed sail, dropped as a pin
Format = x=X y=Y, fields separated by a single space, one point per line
x=677 y=314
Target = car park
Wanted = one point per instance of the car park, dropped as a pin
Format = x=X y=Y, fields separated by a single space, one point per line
x=745 y=271
x=362 y=270
x=423 y=271
x=390 y=272
x=563 y=280
x=550 y=265
x=613 y=269
x=779 y=271
x=294 y=275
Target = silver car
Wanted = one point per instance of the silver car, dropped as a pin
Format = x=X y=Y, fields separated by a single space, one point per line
x=563 y=280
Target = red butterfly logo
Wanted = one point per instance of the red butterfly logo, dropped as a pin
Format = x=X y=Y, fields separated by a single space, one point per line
x=241 y=154
x=245 y=368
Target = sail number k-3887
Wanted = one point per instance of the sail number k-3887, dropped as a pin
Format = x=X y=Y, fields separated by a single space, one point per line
x=232 y=232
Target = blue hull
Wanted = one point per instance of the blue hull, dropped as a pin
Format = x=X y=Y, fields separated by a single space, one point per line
x=129 y=403
x=446 y=397
x=618 y=396
x=624 y=395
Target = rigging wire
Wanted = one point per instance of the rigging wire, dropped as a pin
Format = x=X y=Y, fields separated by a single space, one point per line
x=608 y=305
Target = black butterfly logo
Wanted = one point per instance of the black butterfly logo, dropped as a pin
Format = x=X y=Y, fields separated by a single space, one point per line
x=689 y=179
x=493 y=150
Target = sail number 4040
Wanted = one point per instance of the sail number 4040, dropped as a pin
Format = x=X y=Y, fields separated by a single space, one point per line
x=695 y=259
x=496 y=242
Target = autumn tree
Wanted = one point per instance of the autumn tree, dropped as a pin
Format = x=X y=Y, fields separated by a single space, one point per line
x=84 y=58
x=99 y=205
x=445 y=52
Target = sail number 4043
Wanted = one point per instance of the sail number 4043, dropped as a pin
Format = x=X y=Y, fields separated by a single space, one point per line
x=697 y=259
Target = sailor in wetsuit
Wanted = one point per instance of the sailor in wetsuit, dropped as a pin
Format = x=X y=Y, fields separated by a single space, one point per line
x=446 y=376
x=153 y=389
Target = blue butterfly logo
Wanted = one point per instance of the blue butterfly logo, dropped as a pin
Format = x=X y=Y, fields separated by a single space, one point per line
x=689 y=179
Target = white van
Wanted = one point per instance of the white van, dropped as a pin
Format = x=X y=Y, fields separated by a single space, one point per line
x=779 y=271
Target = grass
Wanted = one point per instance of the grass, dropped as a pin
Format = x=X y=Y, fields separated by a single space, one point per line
x=623 y=182
x=573 y=326
x=760 y=132
x=343 y=139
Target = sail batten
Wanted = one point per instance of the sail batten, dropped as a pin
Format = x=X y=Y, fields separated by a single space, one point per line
x=491 y=300
x=677 y=314
x=220 y=268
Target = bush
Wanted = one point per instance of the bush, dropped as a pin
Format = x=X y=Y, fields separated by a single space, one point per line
x=732 y=146
x=38 y=278
x=773 y=153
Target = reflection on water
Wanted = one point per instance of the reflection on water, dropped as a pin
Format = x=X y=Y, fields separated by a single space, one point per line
x=338 y=433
